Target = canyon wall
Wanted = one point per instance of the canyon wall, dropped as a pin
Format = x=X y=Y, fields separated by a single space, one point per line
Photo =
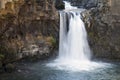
x=28 y=31
x=104 y=30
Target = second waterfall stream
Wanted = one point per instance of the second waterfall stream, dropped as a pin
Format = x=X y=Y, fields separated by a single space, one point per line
x=74 y=51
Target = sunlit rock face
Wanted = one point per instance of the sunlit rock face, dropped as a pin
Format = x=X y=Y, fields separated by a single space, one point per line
x=10 y=6
x=39 y=24
x=3 y=3
x=31 y=31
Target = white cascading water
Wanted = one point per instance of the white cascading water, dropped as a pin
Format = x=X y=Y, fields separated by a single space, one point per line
x=74 y=51
x=73 y=38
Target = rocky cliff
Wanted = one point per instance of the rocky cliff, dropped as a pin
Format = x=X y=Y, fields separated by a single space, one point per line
x=104 y=29
x=31 y=30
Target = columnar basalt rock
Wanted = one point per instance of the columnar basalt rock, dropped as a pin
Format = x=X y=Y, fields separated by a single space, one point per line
x=31 y=31
x=102 y=21
x=10 y=6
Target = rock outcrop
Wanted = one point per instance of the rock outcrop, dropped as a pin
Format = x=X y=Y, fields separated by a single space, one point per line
x=32 y=30
x=104 y=29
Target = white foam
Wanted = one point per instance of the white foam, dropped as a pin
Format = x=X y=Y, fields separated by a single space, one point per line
x=77 y=66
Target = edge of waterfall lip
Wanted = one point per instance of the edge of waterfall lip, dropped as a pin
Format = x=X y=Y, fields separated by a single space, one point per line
x=79 y=10
x=72 y=8
x=75 y=10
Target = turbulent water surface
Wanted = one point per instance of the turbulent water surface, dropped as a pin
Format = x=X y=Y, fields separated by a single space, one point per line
x=39 y=71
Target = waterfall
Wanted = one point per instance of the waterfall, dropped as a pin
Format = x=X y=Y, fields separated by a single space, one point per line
x=73 y=37
x=74 y=51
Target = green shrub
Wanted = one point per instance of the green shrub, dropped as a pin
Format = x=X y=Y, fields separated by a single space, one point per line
x=51 y=40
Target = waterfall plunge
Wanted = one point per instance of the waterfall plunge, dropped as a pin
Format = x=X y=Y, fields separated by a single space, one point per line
x=74 y=51
x=73 y=38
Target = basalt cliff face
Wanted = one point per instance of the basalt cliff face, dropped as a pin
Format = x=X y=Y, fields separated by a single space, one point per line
x=103 y=29
x=29 y=29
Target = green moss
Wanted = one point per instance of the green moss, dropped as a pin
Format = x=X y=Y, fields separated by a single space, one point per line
x=2 y=53
x=1 y=56
x=53 y=40
x=91 y=34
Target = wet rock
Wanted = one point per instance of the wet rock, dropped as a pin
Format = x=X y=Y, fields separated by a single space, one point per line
x=19 y=71
x=38 y=49
x=59 y=5
x=1 y=68
x=9 y=67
